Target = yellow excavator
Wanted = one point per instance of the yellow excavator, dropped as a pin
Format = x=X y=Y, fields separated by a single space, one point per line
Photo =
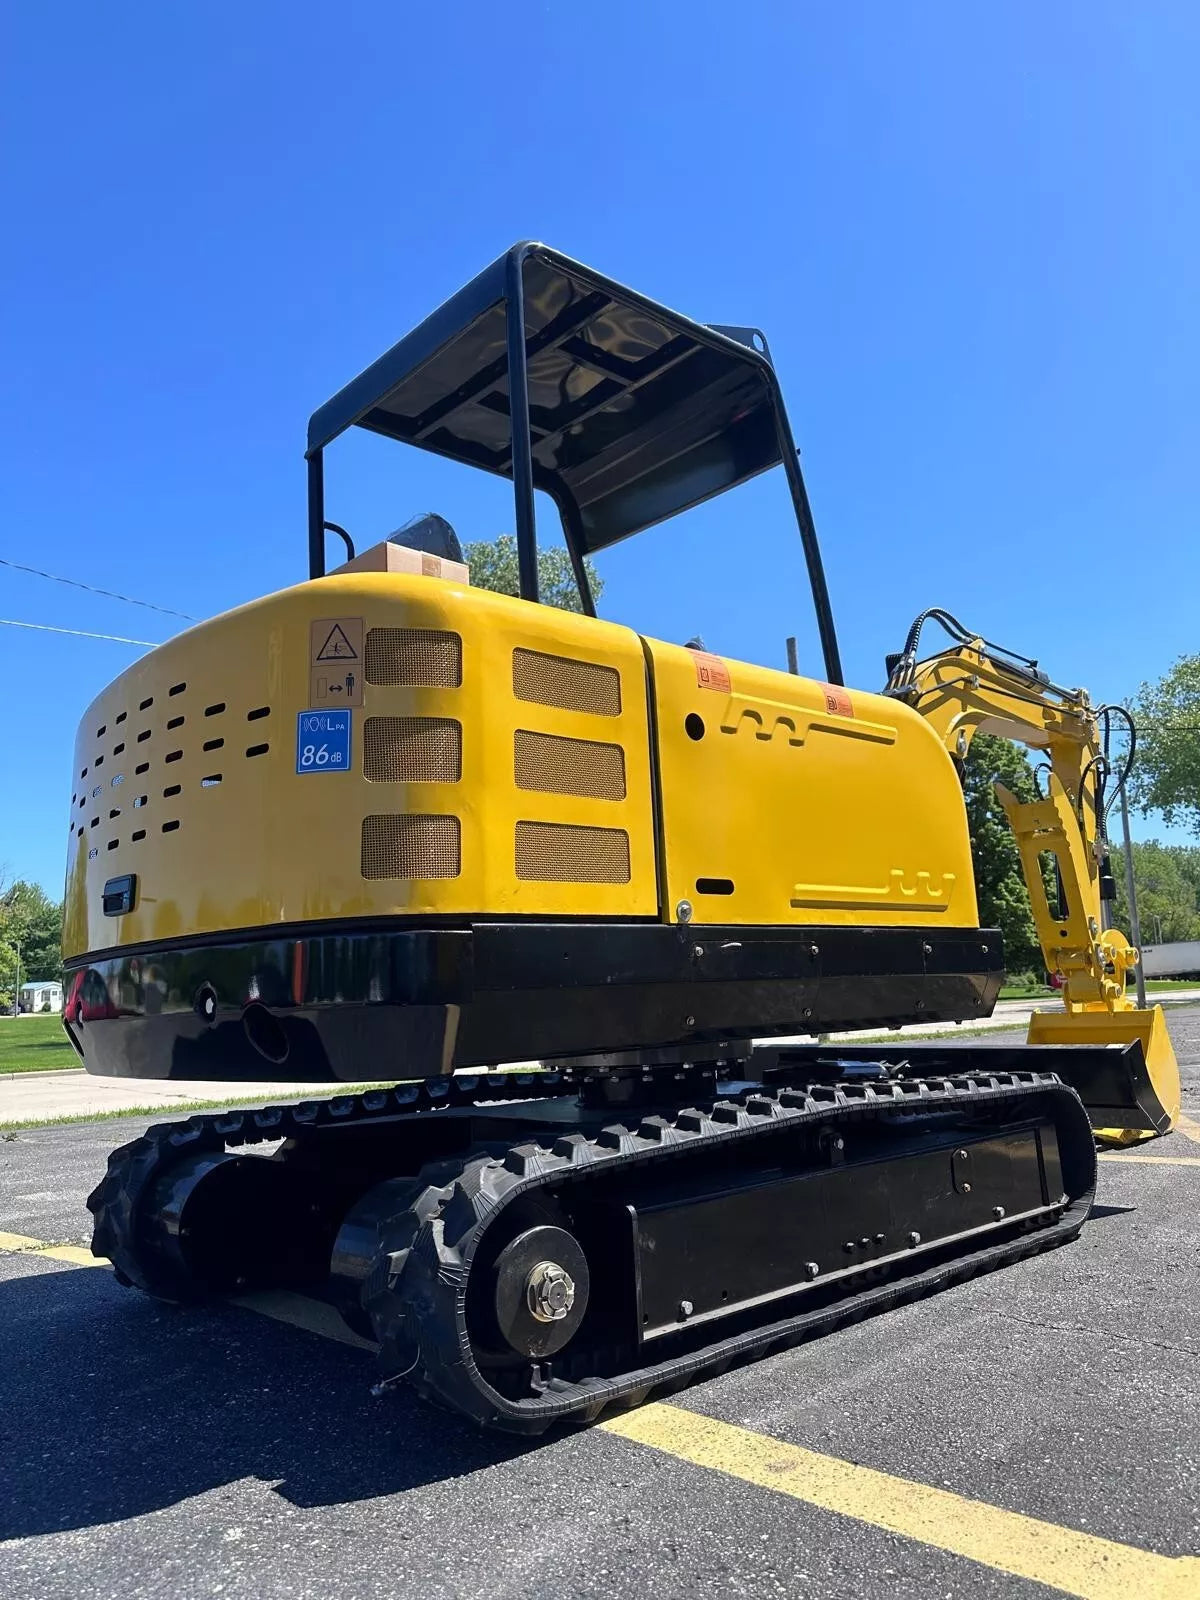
x=386 y=826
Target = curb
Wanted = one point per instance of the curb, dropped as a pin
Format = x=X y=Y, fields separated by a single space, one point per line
x=46 y=1072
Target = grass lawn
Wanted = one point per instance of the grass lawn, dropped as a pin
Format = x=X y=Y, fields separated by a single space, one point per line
x=34 y=1044
x=1037 y=991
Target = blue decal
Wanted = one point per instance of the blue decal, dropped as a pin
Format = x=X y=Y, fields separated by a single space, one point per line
x=323 y=741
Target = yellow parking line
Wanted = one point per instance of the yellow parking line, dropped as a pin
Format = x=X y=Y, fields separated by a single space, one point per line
x=20 y=1241
x=22 y=1244
x=1062 y=1558
x=1188 y=1126
x=75 y=1254
x=315 y=1316
x=1077 y=1563
x=1120 y=1156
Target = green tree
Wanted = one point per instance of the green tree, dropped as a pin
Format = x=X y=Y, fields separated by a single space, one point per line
x=1187 y=857
x=494 y=566
x=1166 y=776
x=32 y=922
x=1167 y=879
x=8 y=974
x=999 y=882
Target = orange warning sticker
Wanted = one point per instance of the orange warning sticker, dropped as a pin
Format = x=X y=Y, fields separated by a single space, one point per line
x=837 y=700
x=711 y=672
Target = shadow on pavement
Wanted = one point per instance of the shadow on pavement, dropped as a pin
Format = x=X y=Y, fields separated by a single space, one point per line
x=112 y=1406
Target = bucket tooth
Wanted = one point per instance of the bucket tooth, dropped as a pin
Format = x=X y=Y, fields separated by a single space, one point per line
x=1131 y=1090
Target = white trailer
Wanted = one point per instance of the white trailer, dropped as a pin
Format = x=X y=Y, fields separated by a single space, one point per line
x=1178 y=960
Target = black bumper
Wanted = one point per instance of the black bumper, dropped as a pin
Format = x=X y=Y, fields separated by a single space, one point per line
x=361 y=1001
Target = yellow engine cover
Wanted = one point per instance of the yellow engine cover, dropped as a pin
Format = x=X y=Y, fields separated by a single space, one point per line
x=506 y=760
x=785 y=800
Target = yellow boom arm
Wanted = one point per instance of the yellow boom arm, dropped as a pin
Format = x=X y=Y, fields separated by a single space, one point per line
x=970 y=689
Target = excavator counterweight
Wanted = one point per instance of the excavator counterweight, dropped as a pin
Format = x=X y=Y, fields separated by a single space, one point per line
x=386 y=826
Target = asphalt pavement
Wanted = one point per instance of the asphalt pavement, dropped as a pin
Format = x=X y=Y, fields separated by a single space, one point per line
x=1043 y=1418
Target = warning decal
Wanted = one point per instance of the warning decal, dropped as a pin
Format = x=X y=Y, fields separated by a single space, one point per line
x=711 y=672
x=335 y=660
x=837 y=700
x=337 y=647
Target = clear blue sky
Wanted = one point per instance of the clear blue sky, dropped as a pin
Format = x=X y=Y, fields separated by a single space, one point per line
x=970 y=232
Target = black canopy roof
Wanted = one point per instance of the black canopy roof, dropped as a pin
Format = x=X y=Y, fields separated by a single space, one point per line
x=634 y=413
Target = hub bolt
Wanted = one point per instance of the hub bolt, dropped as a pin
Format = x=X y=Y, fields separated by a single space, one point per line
x=549 y=1292
x=998 y=1213
x=685 y=1310
x=811 y=1269
x=914 y=1239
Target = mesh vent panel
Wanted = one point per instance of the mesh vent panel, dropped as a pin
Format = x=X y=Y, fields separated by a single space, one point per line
x=569 y=685
x=553 y=852
x=422 y=658
x=552 y=765
x=412 y=750
x=411 y=847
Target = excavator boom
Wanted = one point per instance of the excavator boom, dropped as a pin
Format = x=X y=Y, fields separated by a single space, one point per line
x=971 y=688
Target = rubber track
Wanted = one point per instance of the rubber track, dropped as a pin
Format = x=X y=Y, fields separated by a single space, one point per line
x=416 y=1293
x=116 y=1200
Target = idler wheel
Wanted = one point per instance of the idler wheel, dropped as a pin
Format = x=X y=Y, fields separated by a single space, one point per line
x=540 y=1291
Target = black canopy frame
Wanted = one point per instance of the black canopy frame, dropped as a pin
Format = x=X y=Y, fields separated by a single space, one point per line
x=625 y=413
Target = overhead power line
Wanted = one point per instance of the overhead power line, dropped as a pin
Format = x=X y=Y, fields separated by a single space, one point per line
x=45 y=627
x=109 y=594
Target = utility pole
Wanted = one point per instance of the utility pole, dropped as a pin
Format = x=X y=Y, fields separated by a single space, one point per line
x=16 y=1010
x=1135 y=926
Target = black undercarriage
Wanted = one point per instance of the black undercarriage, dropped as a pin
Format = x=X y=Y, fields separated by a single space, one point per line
x=362 y=1001
x=527 y=1248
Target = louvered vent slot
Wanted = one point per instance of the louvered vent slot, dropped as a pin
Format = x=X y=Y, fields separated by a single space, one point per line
x=569 y=685
x=411 y=847
x=552 y=765
x=553 y=852
x=412 y=750
x=419 y=658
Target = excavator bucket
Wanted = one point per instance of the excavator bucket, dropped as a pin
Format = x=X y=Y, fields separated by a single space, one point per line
x=1130 y=1089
